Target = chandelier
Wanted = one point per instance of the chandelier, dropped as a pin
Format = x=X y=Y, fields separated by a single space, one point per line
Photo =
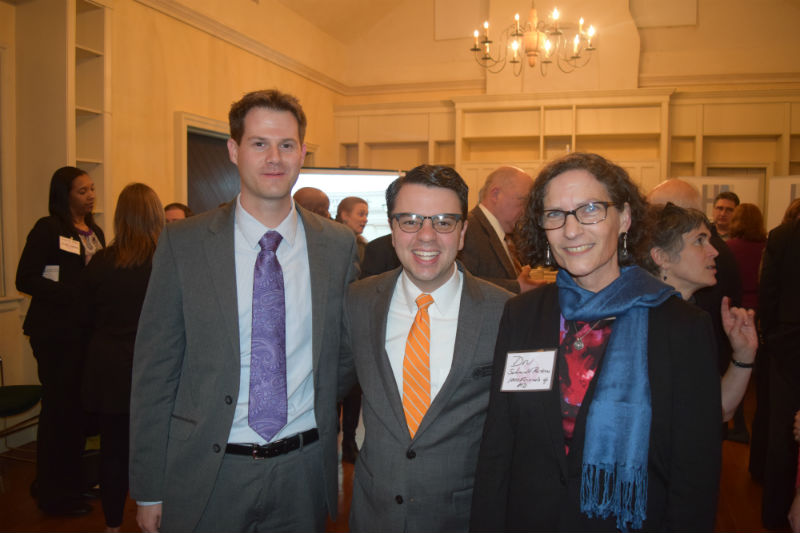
x=568 y=45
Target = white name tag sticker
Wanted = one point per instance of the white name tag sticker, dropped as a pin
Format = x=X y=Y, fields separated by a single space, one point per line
x=69 y=245
x=51 y=272
x=529 y=371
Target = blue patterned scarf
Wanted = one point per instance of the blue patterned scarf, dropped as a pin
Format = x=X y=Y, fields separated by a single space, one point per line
x=614 y=470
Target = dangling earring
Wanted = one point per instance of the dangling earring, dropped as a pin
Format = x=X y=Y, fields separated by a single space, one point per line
x=548 y=261
x=624 y=254
x=664 y=277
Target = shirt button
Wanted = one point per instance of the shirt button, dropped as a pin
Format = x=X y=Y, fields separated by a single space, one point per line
x=216 y=448
x=228 y=400
x=411 y=454
x=398 y=499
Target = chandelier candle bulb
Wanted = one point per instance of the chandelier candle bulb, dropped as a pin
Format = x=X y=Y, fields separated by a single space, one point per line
x=543 y=41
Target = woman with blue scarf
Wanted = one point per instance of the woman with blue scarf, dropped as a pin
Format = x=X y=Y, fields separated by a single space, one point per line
x=622 y=433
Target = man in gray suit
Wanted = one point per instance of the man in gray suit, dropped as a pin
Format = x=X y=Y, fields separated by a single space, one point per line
x=233 y=412
x=488 y=246
x=423 y=414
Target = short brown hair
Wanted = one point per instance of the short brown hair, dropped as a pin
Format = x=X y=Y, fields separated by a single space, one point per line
x=269 y=99
x=667 y=224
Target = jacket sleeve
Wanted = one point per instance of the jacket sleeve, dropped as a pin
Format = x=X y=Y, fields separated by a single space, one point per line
x=41 y=250
x=490 y=494
x=158 y=357
x=695 y=438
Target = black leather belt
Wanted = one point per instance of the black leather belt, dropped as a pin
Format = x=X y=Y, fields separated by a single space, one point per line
x=274 y=449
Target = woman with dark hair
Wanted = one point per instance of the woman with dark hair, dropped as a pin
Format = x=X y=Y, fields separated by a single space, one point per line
x=617 y=424
x=113 y=288
x=681 y=254
x=352 y=212
x=57 y=250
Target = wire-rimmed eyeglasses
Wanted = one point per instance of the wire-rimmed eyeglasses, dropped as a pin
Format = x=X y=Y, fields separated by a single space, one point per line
x=590 y=213
x=412 y=222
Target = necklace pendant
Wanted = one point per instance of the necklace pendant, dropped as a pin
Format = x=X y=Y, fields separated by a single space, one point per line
x=578 y=344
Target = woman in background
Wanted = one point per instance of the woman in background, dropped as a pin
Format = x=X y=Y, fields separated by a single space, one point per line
x=57 y=249
x=113 y=289
x=352 y=212
x=624 y=434
x=681 y=254
x=748 y=238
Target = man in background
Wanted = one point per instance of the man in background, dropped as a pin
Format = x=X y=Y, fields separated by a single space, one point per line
x=314 y=200
x=176 y=211
x=489 y=251
x=724 y=204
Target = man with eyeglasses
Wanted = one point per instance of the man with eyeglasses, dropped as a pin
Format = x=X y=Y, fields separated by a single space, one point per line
x=724 y=204
x=421 y=339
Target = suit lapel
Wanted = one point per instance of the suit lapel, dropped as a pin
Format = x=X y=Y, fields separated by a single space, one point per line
x=470 y=318
x=378 y=320
x=497 y=245
x=317 y=247
x=220 y=254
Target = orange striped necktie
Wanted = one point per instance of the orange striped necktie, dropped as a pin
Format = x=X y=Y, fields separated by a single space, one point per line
x=416 y=366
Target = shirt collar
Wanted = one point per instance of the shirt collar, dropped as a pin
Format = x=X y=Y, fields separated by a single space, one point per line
x=253 y=230
x=493 y=222
x=444 y=298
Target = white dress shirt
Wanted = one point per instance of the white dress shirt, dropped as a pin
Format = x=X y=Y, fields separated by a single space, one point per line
x=443 y=313
x=293 y=257
x=501 y=234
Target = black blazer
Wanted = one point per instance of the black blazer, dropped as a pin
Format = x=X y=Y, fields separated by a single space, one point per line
x=53 y=312
x=526 y=482
x=484 y=255
x=113 y=299
x=379 y=257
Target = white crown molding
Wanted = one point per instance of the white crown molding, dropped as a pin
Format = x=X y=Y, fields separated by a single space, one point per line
x=725 y=80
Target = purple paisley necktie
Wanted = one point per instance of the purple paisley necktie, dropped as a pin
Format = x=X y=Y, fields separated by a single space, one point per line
x=267 y=404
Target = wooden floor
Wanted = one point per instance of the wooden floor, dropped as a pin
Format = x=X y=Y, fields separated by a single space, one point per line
x=739 y=498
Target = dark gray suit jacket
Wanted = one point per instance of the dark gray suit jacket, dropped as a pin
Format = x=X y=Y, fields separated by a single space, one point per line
x=424 y=484
x=186 y=363
x=484 y=255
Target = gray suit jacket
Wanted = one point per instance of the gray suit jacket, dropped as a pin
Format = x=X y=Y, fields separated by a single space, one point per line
x=484 y=255
x=186 y=363
x=424 y=484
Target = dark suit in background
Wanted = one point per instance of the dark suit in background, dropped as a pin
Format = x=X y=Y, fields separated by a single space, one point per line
x=53 y=324
x=424 y=483
x=779 y=316
x=379 y=257
x=484 y=255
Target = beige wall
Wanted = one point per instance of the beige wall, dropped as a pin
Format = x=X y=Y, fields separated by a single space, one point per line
x=162 y=66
